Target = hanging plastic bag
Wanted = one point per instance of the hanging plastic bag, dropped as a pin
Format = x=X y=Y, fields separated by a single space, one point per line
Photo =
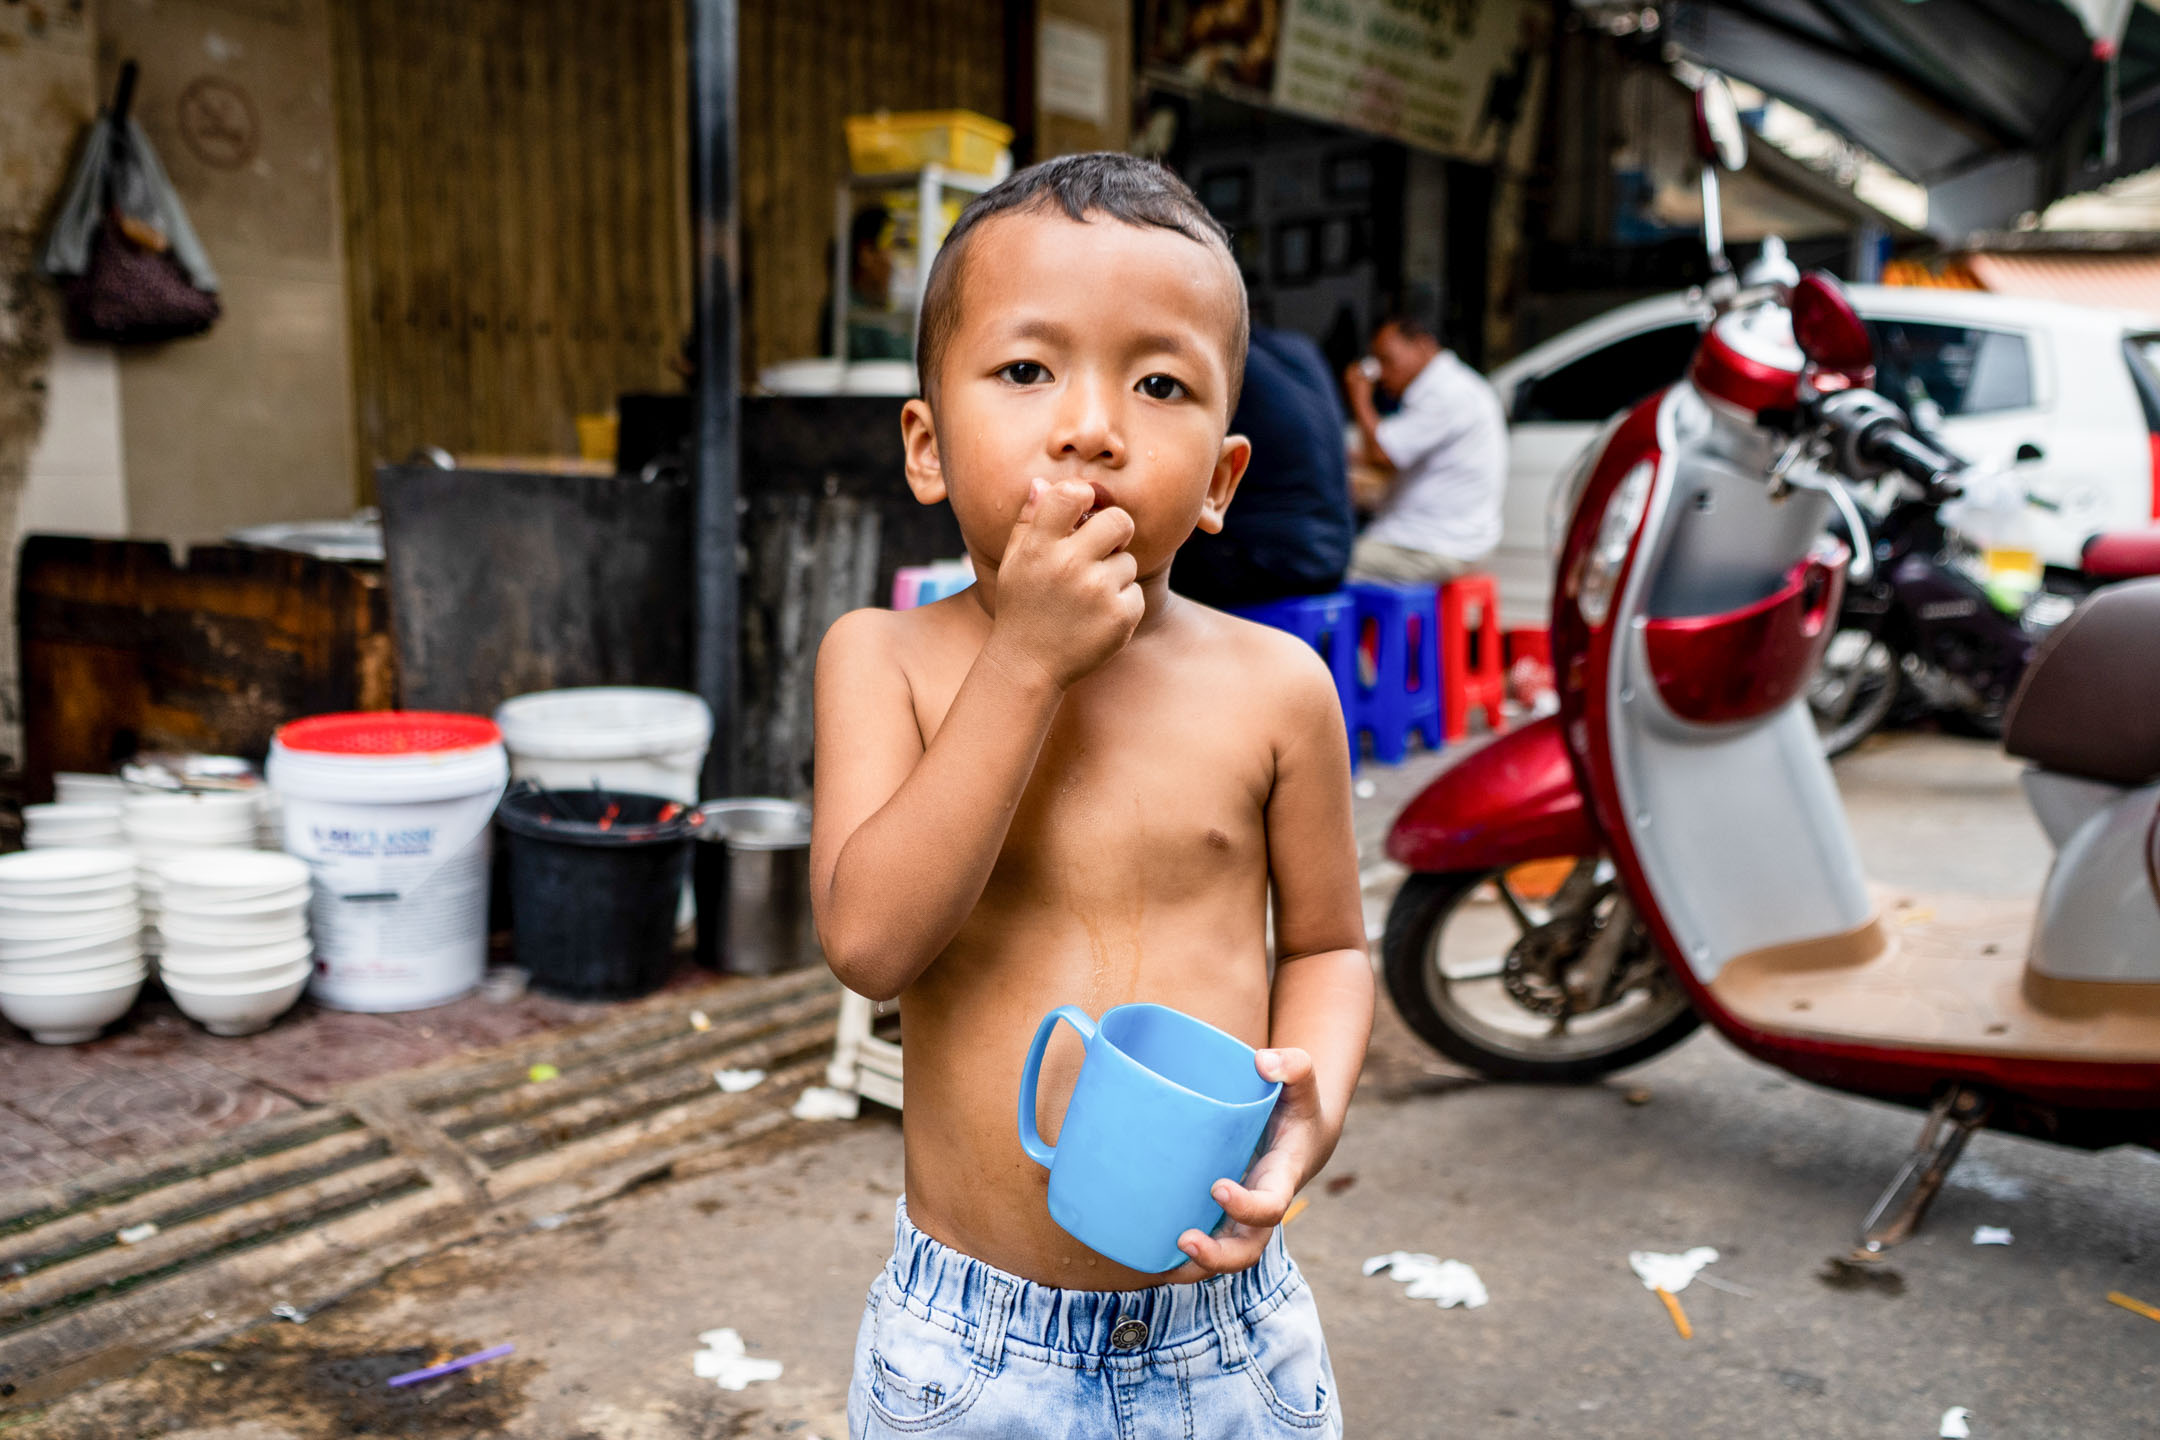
x=127 y=261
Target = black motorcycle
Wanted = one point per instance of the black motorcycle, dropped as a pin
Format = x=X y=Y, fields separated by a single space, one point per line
x=1926 y=632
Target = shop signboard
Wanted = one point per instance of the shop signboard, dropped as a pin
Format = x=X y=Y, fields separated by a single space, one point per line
x=1443 y=75
x=1418 y=71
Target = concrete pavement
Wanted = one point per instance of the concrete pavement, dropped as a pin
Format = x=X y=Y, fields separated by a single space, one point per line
x=1544 y=1191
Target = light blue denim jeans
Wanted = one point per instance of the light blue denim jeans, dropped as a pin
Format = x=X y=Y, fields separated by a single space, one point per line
x=951 y=1347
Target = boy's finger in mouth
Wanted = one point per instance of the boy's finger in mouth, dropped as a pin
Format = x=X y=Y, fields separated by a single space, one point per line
x=1102 y=502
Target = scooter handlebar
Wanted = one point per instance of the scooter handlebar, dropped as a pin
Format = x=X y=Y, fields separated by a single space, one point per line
x=1869 y=436
x=1899 y=449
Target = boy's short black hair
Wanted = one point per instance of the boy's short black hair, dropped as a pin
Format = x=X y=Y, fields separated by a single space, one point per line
x=1124 y=187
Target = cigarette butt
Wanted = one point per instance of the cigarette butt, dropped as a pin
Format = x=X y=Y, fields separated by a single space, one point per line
x=2135 y=1307
x=1679 y=1316
x=1297 y=1208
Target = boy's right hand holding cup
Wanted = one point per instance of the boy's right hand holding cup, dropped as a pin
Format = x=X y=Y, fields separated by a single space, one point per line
x=1068 y=596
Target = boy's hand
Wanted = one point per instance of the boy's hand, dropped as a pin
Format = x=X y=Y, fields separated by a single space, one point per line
x=1255 y=1208
x=1068 y=596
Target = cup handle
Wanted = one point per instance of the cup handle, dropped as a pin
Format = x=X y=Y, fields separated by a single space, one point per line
x=1030 y=1138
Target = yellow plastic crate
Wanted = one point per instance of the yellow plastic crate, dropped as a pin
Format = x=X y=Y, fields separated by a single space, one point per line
x=894 y=144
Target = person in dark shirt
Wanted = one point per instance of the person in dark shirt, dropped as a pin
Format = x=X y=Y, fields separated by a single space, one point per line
x=1289 y=530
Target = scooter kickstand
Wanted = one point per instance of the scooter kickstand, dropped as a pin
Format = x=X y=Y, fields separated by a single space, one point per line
x=1958 y=1112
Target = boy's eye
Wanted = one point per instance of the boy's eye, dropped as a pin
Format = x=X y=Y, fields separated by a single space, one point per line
x=1024 y=372
x=1161 y=387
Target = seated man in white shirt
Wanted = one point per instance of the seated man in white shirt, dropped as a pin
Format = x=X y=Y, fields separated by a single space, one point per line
x=1443 y=451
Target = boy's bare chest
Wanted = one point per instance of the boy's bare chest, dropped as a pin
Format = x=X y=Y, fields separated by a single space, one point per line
x=1149 y=790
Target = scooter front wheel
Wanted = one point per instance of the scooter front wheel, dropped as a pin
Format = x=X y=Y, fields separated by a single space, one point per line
x=1540 y=972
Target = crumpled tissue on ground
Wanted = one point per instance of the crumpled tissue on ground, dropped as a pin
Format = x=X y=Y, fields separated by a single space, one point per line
x=1953 y=1423
x=1447 y=1283
x=1991 y=1235
x=818 y=1103
x=725 y=1361
x=1670 y=1273
x=734 y=1082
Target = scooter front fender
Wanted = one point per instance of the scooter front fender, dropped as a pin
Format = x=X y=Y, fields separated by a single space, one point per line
x=1514 y=800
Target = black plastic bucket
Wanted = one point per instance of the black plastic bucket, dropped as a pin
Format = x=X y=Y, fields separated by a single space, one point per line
x=595 y=879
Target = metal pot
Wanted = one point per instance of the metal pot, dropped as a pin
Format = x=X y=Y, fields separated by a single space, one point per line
x=753 y=887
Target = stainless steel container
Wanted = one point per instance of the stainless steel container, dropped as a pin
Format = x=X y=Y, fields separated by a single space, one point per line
x=753 y=887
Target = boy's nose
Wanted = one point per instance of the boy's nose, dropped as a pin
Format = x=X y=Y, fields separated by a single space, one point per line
x=1087 y=426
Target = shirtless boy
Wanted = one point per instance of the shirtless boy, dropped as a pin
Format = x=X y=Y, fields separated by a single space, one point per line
x=1067 y=785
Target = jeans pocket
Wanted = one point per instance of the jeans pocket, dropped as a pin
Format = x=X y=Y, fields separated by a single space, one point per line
x=920 y=1373
x=1288 y=1361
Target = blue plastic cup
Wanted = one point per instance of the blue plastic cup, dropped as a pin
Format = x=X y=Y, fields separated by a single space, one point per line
x=1165 y=1106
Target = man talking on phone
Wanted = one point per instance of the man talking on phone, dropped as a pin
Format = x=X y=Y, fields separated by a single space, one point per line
x=1443 y=455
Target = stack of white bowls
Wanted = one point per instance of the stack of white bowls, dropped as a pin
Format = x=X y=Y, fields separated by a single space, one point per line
x=77 y=825
x=70 y=942
x=78 y=787
x=236 y=950
x=164 y=823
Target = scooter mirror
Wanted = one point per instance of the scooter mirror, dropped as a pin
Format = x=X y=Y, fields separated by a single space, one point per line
x=1829 y=331
x=1720 y=139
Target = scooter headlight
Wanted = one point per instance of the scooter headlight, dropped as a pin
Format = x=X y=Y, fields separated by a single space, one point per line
x=1597 y=574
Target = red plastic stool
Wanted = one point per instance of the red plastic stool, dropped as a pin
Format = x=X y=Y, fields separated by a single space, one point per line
x=1529 y=670
x=1472 y=671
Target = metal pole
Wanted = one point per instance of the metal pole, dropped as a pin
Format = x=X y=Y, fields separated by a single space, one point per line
x=715 y=391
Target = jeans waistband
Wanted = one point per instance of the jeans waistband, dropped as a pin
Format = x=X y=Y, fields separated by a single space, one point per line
x=964 y=1293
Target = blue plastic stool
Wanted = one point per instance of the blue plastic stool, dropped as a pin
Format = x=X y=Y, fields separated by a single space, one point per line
x=1325 y=622
x=1405 y=691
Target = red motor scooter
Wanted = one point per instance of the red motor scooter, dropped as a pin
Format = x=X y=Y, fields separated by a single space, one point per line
x=1680 y=828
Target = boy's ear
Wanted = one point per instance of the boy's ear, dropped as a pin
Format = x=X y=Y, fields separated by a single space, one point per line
x=918 y=436
x=1230 y=465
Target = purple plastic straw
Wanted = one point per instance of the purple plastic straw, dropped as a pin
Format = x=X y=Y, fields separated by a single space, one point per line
x=451 y=1367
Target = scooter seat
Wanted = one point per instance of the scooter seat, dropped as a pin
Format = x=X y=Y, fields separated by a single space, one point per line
x=2090 y=701
x=2122 y=554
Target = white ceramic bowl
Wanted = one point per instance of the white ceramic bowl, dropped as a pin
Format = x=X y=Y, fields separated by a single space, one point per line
x=79 y=813
x=55 y=872
x=194 y=935
x=238 y=966
x=71 y=820
x=238 y=1009
x=235 y=877
x=169 y=807
x=69 y=1015
x=70 y=947
x=38 y=837
x=236 y=955
x=77 y=787
x=187 y=823
x=120 y=952
x=93 y=978
x=174 y=842
x=73 y=925
x=151 y=853
x=69 y=902
x=269 y=909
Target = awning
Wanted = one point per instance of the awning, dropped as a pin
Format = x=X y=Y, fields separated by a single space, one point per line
x=1998 y=106
x=2114 y=282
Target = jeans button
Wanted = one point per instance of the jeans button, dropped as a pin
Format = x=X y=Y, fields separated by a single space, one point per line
x=1129 y=1334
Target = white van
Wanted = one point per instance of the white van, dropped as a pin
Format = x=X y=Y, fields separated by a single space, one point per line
x=2068 y=395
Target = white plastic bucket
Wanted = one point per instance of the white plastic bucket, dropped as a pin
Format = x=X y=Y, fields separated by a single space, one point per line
x=647 y=741
x=391 y=812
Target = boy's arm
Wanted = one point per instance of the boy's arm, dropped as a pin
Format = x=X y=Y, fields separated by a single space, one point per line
x=1320 y=1013
x=904 y=835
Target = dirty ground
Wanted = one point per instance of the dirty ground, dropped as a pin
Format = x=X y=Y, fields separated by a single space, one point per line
x=1544 y=1191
